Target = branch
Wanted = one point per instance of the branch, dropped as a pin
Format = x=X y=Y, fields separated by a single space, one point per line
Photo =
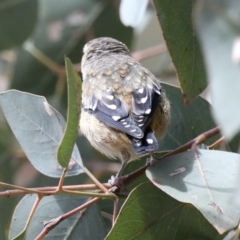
x=47 y=190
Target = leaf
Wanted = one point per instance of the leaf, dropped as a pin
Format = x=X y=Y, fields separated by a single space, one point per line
x=149 y=213
x=176 y=22
x=209 y=183
x=186 y=122
x=83 y=225
x=17 y=21
x=218 y=28
x=39 y=130
x=132 y=12
x=2 y=235
x=74 y=101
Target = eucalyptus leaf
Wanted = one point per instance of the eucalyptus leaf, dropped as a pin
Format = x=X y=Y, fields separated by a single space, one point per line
x=87 y=224
x=187 y=122
x=149 y=213
x=39 y=129
x=218 y=28
x=74 y=102
x=209 y=182
x=176 y=21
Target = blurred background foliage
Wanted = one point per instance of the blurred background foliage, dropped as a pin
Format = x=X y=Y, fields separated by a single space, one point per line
x=34 y=38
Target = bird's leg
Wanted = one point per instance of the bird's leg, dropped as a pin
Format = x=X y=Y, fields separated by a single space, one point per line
x=124 y=159
x=125 y=156
x=116 y=181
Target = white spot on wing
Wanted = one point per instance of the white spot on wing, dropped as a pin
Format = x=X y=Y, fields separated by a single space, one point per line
x=140 y=90
x=143 y=100
x=140 y=125
x=148 y=111
x=133 y=130
x=112 y=106
x=150 y=141
x=127 y=126
x=116 y=118
x=110 y=97
x=139 y=143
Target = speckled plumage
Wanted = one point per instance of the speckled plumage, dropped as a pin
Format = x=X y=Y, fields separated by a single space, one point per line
x=124 y=110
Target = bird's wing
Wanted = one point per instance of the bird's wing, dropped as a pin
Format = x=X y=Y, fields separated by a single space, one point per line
x=131 y=118
x=114 y=113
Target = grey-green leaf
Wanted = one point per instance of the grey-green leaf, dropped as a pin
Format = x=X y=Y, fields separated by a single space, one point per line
x=86 y=224
x=217 y=25
x=39 y=130
x=209 y=182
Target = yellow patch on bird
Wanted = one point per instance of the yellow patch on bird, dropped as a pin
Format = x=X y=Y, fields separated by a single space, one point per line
x=116 y=86
x=122 y=72
x=124 y=67
x=108 y=72
x=93 y=73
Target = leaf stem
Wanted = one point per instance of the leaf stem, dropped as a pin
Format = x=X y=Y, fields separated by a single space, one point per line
x=44 y=59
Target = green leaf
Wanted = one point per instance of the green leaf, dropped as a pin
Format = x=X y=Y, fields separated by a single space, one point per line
x=2 y=235
x=74 y=101
x=176 y=22
x=39 y=130
x=149 y=213
x=17 y=21
x=86 y=224
x=186 y=122
x=217 y=25
x=209 y=182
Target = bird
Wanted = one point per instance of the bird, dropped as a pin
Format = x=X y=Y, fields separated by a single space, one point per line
x=124 y=111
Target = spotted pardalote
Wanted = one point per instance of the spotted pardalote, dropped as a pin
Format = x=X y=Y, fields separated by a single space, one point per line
x=124 y=110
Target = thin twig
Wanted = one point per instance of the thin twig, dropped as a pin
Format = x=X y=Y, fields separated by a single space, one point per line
x=149 y=52
x=217 y=143
x=100 y=185
x=61 y=181
x=115 y=211
x=44 y=59
x=26 y=190
x=47 y=190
